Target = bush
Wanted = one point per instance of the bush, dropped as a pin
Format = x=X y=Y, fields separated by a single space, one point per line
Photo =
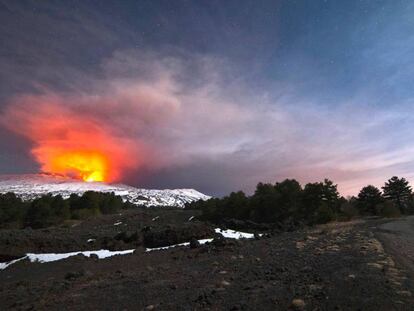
x=111 y=204
x=85 y=213
x=389 y=210
x=90 y=200
x=40 y=213
x=348 y=211
x=12 y=211
x=324 y=214
x=61 y=208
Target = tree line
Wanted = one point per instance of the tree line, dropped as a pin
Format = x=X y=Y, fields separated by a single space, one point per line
x=51 y=210
x=317 y=202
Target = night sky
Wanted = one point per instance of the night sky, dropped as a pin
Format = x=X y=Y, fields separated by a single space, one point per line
x=214 y=95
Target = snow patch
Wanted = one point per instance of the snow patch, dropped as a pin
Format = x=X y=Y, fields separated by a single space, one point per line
x=232 y=234
x=103 y=253
x=226 y=233
x=4 y=265
x=31 y=186
x=203 y=241
x=49 y=257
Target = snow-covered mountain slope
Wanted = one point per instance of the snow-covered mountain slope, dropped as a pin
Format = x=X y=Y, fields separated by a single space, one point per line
x=31 y=186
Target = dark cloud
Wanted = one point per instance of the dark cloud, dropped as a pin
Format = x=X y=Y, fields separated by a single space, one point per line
x=218 y=96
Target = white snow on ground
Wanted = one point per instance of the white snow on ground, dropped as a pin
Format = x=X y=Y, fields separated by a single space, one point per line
x=203 y=241
x=4 y=265
x=231 y=234
x=228 y=233
x=49 y=257
x=118 y=223
x=103 y=253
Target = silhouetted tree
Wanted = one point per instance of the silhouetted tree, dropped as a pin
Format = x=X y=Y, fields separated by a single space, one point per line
x=210 y=209
x=110 y=203
x=60 y=207
x=271 y=203
x=264 y=204
x=236 y=205
x=40 y=214
x=331 y=195
x=368 y=200
x=51 y=210
x=398 y=191
x=287 y=195
x=12 y=210
x=321 y=197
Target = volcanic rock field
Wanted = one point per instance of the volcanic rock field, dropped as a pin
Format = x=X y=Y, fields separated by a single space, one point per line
x=340 y=266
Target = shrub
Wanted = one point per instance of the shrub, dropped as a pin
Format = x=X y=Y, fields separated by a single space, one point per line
x=110 y=204
x=389 y=210
x=60 y=207
x=40 y=213
x=12 y=211
x=324 y=214
x=85 y=213
x=349 y=211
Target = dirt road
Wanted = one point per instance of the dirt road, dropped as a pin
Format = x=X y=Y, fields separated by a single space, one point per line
x=397 y=236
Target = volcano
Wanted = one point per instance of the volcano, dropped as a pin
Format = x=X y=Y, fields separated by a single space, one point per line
x=31 y=186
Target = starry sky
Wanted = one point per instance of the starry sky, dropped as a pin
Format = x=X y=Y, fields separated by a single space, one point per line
x=218 y=95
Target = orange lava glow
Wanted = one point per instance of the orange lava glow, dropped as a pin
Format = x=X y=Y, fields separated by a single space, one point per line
x=72 y=143
x=90 y=166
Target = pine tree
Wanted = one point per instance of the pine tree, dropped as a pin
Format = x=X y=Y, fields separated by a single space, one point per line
x=398 y=191
x=368 y=200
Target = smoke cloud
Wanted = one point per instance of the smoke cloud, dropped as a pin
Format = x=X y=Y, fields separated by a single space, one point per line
x=141 y=114
x=181 y=120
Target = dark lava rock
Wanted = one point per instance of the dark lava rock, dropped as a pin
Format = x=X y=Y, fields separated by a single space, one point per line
x=237 y=224
x=7 y=257
x=194 y=243
x=130 y=237
x=73 y=275
x=219 y=241
x=174 y=235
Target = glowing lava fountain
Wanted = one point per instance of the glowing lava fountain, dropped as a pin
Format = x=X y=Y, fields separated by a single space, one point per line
x=87 y=165
x=73 y=143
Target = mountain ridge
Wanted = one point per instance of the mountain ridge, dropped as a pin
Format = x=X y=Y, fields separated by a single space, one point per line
x=31 y=186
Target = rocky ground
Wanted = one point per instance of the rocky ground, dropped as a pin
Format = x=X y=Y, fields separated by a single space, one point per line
x=126 y=230
x=359 y=265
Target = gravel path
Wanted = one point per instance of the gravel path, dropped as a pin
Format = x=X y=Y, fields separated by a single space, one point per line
x=397 y=237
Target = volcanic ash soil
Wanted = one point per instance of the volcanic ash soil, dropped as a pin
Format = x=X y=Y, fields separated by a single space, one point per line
x=333 y=267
